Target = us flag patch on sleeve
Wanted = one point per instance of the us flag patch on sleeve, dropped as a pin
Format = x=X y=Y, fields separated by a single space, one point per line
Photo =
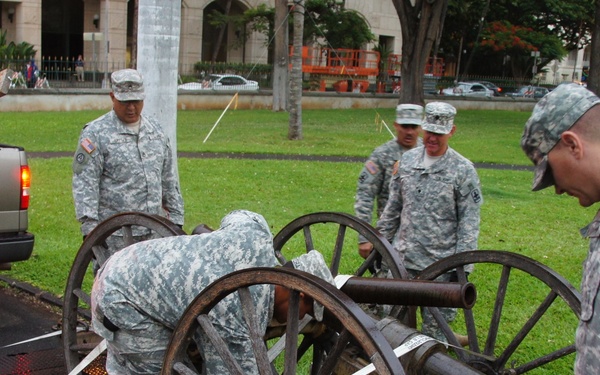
x=87 y=145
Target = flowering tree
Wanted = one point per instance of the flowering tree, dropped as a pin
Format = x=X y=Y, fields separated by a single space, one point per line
x=513 y=45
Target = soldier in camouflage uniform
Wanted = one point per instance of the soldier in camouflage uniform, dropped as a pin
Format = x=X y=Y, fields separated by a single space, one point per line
x=374 y=179
x=434 y=204
x=562 y=138
x=124 y=162
x=141 y=292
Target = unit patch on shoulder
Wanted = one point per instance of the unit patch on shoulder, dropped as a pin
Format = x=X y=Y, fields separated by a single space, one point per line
x=396 y=167
x=476 y=195
x=371 y=167
x=87 y=145
x=80 y=157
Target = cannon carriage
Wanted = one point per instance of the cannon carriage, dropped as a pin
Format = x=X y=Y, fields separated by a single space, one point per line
x=350 y=338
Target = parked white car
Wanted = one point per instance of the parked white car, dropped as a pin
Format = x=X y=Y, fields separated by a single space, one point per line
x=473 y=89
x=222 y=82
x=192 y=86
x=232 y=82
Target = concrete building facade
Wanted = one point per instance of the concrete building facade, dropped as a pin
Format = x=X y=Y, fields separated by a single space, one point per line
x=573 y=67
x=102 y=30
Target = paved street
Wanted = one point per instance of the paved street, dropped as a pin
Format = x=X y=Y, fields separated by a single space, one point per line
x=23 y=317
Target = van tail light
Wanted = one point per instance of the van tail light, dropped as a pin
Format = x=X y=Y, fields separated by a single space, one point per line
x=25 y=185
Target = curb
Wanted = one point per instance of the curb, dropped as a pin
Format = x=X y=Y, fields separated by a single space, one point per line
x=33 y=291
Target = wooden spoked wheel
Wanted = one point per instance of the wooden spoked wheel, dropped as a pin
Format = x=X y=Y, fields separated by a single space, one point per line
x=340 y=226
x=505 y=335
x=354 y=326
x=335 y=234
x=78 y=339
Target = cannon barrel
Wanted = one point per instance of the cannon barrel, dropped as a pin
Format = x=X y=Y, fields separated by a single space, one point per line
x=429 y=358
x=426 y=357
x=410 y=292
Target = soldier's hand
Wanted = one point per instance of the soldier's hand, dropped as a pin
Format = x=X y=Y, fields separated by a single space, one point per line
x=364 y=249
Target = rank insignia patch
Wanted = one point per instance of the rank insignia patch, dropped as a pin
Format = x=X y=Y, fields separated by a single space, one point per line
x=476 y=195
x=371 y=167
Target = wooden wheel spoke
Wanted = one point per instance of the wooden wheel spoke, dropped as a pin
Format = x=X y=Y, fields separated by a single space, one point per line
x=182 y=369
x=335 y=353
x=291 y=333
x=219 y=344
x=469 y=317
x=85 y=347
x=490 y=344
x=531 y=365
x=127 y=235
x=308 y=241
x=101 y=254
x=446 y=330
x=83 y=296
x=364 y=267
x=527 y=327
x=337 y=250
x=307 y=343
x=256 y=337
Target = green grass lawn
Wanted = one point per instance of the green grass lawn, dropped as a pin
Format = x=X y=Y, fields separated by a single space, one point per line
x=482 y=136
x=540 y=225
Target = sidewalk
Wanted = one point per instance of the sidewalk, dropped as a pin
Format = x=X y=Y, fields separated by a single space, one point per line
x=323 y=158
x=24 y=315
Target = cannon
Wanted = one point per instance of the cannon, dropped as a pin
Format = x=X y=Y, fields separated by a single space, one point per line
x=361 y=338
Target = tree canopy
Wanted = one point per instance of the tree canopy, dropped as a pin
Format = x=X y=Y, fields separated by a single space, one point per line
x=330 y=23
x=325 y=22
x=511 y=30
x=504 y=44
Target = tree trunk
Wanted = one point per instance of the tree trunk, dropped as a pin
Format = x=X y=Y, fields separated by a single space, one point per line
x=593 y=82
x=438 y=38
x=459 y=59
x=281 y=60
x=221 y=35
x=420 y=25
x=133 y=63
x=479 y=30
x=158 y=42
x=295 y=126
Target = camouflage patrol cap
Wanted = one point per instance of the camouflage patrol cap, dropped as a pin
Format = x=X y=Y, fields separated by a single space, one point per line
x=313 y=263
x=439 y=118
x=555 y=113
x=409 y=114
x=127 y=85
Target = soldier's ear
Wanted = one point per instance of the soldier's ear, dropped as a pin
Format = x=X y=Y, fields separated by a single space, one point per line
x=573 y=142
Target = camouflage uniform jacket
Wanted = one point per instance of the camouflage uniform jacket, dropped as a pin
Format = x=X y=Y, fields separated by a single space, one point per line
x=588 y=331
x=432 y=212
x=374 y=180
x=116 y=170
x=160 y=278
